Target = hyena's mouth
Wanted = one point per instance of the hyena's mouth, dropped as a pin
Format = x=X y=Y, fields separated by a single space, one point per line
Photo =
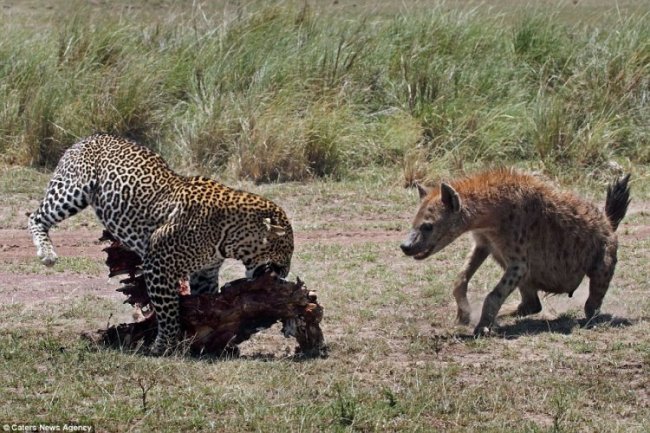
x=423 y=254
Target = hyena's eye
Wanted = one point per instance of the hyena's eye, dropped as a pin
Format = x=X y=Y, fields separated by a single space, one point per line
x=426 y=227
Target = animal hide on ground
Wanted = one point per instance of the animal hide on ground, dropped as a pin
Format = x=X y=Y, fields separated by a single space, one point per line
x=215 y=324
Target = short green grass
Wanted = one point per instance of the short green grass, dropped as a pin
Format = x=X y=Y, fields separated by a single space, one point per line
x=75 y=265
x=396 y=360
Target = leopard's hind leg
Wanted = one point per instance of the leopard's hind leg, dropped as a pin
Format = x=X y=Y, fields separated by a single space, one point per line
x=64 y=197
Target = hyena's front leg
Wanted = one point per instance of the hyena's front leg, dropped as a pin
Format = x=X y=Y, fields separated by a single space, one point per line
x=474 y=261
x=494 y=300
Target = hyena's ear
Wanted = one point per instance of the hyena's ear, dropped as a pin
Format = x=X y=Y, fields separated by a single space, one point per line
x=274 y=229
x=449 y=197
x=422 y=190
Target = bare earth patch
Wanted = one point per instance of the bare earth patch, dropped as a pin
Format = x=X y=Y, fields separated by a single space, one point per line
x=16 y=247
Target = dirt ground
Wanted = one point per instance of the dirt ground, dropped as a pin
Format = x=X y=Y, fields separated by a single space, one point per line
x=16 y=248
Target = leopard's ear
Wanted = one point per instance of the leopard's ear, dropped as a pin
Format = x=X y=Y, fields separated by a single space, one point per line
x=274 y=229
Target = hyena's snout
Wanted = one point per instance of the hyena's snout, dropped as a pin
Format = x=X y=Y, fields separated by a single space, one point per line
x=418 y=245
x=406 y=248
x=409 y=245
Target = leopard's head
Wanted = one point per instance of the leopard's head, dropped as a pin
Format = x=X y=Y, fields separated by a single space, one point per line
x=273 y=252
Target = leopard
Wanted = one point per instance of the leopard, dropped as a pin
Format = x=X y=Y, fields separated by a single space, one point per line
x=180 y=226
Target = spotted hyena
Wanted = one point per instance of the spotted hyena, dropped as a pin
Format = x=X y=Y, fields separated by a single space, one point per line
x=544 y=239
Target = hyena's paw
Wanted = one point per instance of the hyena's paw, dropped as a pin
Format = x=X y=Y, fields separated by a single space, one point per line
x=462 y=317
x=482 y=331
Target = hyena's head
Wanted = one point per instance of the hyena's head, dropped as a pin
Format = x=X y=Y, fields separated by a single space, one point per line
x=439 y=220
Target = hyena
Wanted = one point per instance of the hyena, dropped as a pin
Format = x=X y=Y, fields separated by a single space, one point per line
x=544 y=239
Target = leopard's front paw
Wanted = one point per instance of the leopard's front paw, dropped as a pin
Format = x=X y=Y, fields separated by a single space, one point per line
x=48 y=258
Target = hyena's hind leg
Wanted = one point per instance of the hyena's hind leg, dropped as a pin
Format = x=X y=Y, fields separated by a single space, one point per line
x=63 y=198
x=599 y=279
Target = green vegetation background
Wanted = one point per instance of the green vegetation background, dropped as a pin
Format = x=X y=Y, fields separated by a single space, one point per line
x=270 y=91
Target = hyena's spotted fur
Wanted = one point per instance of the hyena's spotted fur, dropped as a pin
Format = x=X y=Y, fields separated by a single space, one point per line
x=543 y=238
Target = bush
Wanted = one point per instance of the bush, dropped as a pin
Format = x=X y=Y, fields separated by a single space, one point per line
x=279 y=93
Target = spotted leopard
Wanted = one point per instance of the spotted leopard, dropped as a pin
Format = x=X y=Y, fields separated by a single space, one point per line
x=178 y=225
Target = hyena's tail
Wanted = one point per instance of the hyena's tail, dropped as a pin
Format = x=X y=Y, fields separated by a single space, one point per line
x=618 y=198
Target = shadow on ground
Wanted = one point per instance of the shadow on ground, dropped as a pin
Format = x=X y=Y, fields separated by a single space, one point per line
x=564 y=324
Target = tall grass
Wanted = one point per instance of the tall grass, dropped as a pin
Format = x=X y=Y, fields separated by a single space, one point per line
x=287 y=93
